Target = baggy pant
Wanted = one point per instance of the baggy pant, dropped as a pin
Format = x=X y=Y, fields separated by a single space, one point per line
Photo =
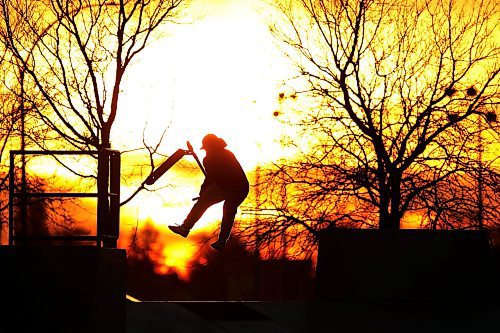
x=214 y=194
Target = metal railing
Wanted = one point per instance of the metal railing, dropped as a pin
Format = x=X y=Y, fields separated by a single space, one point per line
x=108 y=197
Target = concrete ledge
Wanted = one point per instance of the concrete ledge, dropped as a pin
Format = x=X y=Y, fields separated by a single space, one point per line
x=63 y=289
x=425 y=265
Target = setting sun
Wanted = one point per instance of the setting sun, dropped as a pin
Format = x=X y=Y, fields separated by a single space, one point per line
x=219 y=74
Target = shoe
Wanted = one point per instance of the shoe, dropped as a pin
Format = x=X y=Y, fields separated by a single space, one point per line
x=219 y=245
x=180 y=230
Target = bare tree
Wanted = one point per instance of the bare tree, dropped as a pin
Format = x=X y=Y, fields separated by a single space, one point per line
x=385 y=105
x=68 y=60
x=76 y=54
x=32 y=215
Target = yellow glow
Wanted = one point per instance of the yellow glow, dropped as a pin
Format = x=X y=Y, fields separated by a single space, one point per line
x=177 y=257
x=221 y=74
x=218 y=75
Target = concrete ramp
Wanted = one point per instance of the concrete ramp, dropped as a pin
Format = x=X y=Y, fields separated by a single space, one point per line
x=303 y=317
x=208 y=317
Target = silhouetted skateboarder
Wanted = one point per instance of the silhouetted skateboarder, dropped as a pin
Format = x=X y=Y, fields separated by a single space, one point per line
x=225 y=181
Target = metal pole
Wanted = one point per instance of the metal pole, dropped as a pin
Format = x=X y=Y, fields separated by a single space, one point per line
x=114 y=200
x=102 y=193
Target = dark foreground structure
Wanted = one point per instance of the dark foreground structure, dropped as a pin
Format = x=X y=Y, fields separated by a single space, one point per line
x=367 y=281
x=406 y=265
x=406 y=281
x=62 y=289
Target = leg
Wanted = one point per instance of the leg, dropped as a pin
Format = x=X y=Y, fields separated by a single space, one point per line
x=212 y=195
x=229 y=212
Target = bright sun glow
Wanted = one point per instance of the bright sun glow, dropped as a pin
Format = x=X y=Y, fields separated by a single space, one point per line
x=219 y=74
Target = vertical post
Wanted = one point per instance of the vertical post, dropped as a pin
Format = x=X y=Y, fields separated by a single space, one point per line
x=102 y=192
x=11 y=199
x=114 y=200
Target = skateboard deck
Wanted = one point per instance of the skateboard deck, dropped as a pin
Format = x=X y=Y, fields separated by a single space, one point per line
x=165 y=166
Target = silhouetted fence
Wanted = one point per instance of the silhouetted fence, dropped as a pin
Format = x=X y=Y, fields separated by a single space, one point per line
x=107 y=195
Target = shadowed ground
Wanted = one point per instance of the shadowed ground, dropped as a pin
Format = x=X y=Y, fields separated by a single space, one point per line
x=312 y=317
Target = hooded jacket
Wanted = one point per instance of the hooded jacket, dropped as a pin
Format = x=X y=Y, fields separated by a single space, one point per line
x=223 y=168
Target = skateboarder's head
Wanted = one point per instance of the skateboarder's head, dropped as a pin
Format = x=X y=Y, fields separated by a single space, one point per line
x=211 y=142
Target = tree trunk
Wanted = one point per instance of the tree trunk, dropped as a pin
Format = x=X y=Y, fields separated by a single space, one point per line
x=392 y=219
x=389 y=222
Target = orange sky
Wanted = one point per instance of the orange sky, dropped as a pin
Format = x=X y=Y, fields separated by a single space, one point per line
x=222 y=74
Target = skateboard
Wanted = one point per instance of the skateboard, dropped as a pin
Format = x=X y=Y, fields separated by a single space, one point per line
x=171 y=161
